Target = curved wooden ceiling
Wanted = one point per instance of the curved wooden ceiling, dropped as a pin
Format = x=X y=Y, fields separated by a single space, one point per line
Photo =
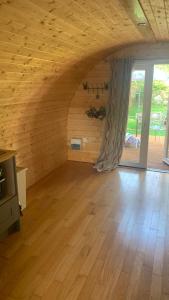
x=46 y=46
x=52 y=34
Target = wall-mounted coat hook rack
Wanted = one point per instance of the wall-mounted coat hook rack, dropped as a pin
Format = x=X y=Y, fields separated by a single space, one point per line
x=96 y=89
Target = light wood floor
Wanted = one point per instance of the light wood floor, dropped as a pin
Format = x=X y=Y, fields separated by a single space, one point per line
x=89 y=236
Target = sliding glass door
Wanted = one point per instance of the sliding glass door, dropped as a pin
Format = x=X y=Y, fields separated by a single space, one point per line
x=137 y=133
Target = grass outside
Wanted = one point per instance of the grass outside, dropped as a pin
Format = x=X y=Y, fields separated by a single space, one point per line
x=157 y=125
x=159 y=106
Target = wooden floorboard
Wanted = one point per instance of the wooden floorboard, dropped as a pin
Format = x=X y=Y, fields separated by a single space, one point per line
x=88 y=236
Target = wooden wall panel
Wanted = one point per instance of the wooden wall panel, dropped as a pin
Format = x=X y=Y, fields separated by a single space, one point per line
x=46 y=48
x=34 y=120
x=79 y=125
x=44 y=51
x=90 y=130
x=34 y=126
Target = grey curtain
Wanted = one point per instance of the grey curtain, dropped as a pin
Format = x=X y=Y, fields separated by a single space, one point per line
x=116 y=115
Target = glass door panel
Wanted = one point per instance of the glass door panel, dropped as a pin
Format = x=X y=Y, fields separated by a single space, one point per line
x=131 y=150
x=158 y=129
x=136 y=139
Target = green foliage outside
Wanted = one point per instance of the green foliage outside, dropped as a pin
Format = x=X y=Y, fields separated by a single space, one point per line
x=160 y=96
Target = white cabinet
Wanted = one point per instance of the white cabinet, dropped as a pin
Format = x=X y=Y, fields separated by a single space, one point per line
x=21 y=180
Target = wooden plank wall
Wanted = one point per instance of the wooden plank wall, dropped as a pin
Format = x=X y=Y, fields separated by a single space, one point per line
x=90 y=130
x=79 y=124
x=33 y=122
x=34 y=116
x=40 y=43
x=36 y=86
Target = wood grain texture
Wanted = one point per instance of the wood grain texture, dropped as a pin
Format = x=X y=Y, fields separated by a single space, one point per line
x=157 y=14
x=5 y=155
x=79 y=124
x=90 y=130
x=43 y=47
x=90 y=236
